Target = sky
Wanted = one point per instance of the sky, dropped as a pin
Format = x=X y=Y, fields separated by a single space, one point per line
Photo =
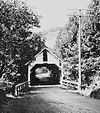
x=54 y=13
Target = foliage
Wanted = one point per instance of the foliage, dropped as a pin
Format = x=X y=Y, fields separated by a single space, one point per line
x=68 y=48
x=90 y=43
x=17 y=42
x=90 y=47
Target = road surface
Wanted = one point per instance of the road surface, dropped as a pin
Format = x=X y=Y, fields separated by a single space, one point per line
x=51 y=100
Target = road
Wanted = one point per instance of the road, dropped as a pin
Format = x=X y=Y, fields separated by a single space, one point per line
x=51 y=100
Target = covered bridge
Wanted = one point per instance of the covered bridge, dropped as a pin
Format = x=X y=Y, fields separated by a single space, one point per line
x=46 y=68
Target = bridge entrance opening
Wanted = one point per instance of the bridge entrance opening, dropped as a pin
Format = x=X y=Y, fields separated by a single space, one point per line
x=45 y=74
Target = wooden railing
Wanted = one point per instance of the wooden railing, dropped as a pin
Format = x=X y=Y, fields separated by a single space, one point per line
x=68 y=83
x=19 y=88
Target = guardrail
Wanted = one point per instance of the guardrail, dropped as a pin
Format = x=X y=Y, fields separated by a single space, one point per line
x=19 y=88
x=68 y=83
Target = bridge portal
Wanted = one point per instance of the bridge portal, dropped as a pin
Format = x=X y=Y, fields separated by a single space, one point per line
x=46 y=68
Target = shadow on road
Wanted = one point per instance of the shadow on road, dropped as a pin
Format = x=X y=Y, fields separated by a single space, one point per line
x=50 y=100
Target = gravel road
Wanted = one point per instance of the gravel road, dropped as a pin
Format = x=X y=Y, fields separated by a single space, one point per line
x=51 y=100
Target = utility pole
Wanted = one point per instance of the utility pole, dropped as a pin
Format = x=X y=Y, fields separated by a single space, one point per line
x=79 y=45
x=79 y=48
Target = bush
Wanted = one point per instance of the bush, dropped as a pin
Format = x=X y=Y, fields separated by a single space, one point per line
x=95 y=93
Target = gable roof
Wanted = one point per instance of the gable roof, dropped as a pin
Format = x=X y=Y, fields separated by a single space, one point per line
x=49 y=50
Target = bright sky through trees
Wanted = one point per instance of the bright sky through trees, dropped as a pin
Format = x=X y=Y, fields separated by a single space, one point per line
x=54 y=13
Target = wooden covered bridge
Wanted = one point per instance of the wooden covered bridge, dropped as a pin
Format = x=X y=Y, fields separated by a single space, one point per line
x=45 y=69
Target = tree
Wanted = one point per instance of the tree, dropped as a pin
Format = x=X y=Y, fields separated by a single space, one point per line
x=90 y=47
x=67 y=47
x=16 y=20
x=90 y=43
